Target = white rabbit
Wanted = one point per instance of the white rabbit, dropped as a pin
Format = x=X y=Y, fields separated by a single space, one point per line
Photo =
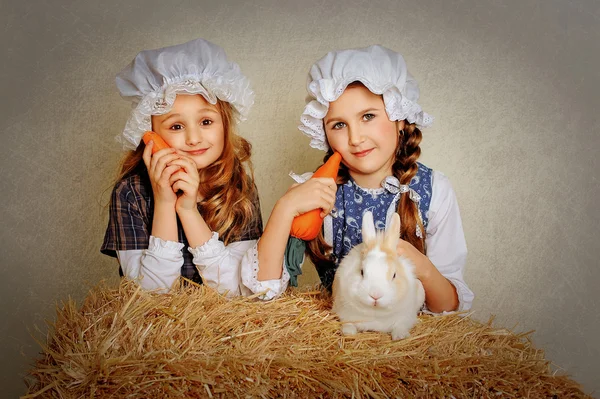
x=374 y=289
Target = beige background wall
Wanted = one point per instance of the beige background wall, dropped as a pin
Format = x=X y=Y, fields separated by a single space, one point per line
x=513 y=86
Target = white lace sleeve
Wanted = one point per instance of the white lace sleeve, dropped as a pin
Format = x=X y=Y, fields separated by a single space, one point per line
x=155 y=268
x=251 y=284
x=219 y=265
x=446 y=245
x=301 y=178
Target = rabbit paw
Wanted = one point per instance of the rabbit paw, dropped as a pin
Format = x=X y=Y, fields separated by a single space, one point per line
x=349 y=329
x=399 y=333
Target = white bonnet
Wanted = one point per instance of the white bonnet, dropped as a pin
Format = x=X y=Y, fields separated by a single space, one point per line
x=381 y=70
x=154 y=78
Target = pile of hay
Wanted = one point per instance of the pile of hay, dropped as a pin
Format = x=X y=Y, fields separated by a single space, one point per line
x=194 y=343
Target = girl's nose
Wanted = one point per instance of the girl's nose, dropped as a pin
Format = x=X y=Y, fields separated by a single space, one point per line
x=193 y=137
x=355 y=137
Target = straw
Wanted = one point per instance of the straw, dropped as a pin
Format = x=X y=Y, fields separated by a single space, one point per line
x=129 y=343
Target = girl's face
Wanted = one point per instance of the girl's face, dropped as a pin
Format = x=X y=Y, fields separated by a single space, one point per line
x=358 y=127
x=194 y=126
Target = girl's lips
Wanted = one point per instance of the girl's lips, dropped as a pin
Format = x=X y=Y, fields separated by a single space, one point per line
x=362 y=153
x=197 y=152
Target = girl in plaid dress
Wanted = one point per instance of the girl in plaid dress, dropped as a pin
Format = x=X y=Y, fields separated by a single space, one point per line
x=191 y=210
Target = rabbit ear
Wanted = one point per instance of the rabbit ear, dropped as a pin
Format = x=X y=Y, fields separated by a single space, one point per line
x=368 y=227
x=392 y=233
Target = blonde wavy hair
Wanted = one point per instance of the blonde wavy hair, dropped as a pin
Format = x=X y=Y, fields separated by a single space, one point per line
x=226 y=186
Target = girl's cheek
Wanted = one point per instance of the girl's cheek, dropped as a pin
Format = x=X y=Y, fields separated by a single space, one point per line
x=384 y=131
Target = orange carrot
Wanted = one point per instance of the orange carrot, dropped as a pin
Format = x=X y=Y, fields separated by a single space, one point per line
x=308 y=225
x=159 y=143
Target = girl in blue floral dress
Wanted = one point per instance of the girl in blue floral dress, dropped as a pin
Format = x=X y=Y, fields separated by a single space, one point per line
x=363 y=104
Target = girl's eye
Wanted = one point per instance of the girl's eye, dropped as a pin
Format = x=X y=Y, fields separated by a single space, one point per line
x=206 y=122
x=339 y=125
x=176 y=126
x=368 y=117
x=394 y=276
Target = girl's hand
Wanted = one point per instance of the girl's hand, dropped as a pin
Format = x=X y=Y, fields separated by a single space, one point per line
x=423 y=265
x=160 y=172
x=314 y=193
x=187 y=180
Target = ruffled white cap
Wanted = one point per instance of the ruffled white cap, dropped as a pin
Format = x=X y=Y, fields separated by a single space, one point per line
x=381 y=70
x=155 y=77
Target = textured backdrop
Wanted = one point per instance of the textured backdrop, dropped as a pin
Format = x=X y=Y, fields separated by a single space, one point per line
x=513 y=86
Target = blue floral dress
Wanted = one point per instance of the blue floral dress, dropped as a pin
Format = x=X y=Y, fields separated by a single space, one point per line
x=352 y=201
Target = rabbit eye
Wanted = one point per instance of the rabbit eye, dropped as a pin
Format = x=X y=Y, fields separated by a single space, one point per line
x=361 y=272
x=394 y=276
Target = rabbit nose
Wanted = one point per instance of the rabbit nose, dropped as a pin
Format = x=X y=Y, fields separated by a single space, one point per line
x=375 y=296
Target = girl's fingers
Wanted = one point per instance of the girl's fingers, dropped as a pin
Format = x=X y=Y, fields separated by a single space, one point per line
x=329 y=207
x=320 y=184
x=326 y=181
x=317 y=193
x=158 y=155
x=186 y=157
x=187 y=188
x=187 y=165
x=160 y=162
x=176 y=187
x=327 y=186
x=180 y=174
x=325 y=207
x=329 y=196
x=147 y=154
x=164 y=151
x=330 y=204
x=175 y=176
x=168 y=172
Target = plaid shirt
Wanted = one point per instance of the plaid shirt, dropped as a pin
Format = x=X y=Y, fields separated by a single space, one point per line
x=130 y=222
